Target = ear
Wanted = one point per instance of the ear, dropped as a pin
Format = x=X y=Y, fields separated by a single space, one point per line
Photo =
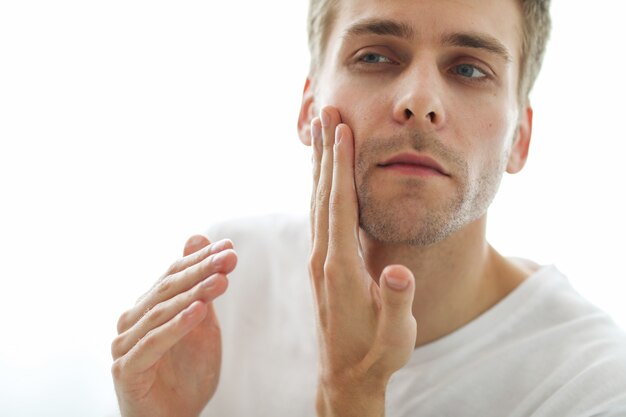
x=307 y=113
x=519 y=149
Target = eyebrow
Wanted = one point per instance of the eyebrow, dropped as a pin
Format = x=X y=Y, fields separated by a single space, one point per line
x=478 y=41
x=397 y=29
x=380 y=27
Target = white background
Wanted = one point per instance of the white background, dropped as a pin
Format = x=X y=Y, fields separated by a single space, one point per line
x=126 y=126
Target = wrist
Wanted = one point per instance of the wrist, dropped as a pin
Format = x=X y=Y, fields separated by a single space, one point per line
x=351 y=399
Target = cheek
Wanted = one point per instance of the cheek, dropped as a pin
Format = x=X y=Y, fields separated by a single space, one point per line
x=360 y=107
x=485 y=135
x=496 y=148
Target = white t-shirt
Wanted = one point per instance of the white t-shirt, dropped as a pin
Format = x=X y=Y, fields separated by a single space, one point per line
x=542 y=351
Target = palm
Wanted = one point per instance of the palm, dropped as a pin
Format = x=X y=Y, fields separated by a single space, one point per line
x=185 y=379
x=167 y=354
x=355 y=325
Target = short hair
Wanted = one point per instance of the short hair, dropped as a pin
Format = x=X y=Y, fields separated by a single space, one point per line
x=536 y=31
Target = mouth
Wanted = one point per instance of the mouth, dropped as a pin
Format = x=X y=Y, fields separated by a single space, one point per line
x=414 y=164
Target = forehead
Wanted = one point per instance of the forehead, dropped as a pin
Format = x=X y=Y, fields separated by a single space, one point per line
x=434 y=21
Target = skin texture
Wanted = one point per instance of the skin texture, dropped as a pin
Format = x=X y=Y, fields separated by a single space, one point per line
x=167 y=355
x=475 y=121
x=398 y=260
x=366 y=331
x=386 y=95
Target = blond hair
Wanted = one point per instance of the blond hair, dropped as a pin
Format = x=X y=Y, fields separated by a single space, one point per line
x=536 y=31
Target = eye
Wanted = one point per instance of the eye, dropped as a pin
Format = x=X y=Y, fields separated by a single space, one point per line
x=469 y=71
x=372 y=58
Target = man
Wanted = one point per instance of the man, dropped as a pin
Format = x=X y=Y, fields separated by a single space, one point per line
x=414 y=108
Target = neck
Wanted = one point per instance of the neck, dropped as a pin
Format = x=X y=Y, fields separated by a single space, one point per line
x=456 y=279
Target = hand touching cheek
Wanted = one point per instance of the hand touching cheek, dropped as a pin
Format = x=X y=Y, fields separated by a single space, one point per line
x=366 y=331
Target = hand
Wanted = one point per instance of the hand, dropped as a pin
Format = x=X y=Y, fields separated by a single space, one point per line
x=167 y=355
x=366 y=328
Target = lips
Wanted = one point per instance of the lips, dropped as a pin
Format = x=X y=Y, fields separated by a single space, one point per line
x=414 y=161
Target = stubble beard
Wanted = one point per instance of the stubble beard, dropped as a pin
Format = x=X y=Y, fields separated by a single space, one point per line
x=408 y=219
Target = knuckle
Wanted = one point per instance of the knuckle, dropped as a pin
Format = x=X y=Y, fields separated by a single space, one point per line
x=174 y=267
x=201 y=289
x=178 y=323
x=214 y=262
x=117 y=369
x=155 y=314
x=394 y=305
x=148 y=341
x=314 y=271
x=116 y=347
x=123 y=322
x=163 y=286
x=330 y=268
x=316 y=268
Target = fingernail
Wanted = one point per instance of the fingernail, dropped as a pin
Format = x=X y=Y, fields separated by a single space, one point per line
x=190 y=310
x=221 y=245
x=324 y=118
x=338 y=134
x=396 y=283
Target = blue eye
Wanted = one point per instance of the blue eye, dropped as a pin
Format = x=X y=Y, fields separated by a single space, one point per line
x=469 y=71
x=372 y=58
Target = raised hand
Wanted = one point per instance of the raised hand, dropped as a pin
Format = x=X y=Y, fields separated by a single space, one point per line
x=366 y=329
x=167 y=355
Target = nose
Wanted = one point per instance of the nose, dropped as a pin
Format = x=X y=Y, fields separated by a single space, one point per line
x=419 y=99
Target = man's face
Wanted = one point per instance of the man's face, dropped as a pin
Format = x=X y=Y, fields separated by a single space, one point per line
x=427 y=78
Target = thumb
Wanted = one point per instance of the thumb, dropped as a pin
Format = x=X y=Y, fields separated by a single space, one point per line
x=397 y=291
x=194 y=244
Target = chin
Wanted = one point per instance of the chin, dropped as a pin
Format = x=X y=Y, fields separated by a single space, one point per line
x=411 y=225
x=419 y=218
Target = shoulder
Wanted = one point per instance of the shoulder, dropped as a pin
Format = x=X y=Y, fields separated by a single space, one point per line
x=583 y=344
x=554 y=307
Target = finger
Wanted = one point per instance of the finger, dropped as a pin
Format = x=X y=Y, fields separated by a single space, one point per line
x=210 y=320
x=397 y=326
x=316 y=140
x=343 y=212
x=195 y=243
x=220 y=262
x=206 y=292
x=151 y=348
x=329 y=119
x=194 y=257
x=223 y=261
